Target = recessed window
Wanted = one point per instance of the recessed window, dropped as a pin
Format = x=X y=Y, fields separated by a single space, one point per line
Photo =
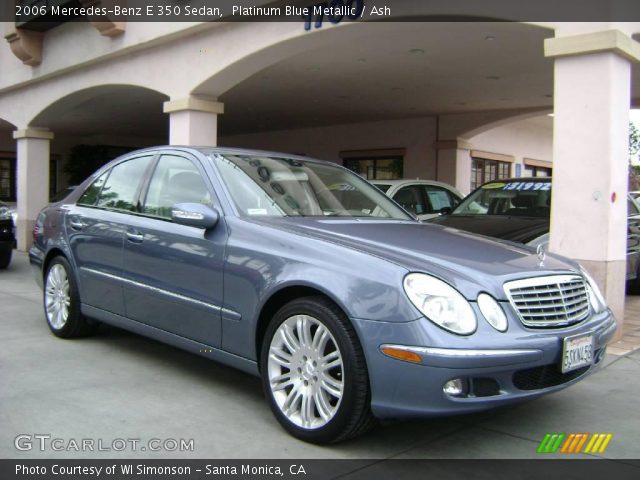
x=7 y=179
x=8 y=189
x=485 y=170
x=376 y=168
x=531 y=171
x=536 y=168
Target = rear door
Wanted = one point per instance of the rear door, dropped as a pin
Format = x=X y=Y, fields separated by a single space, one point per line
x=174 y=272
x=95 y=227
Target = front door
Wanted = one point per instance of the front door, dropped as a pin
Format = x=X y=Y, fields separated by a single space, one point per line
x=173 y=273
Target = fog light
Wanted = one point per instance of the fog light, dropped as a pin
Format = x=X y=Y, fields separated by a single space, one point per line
x=454 y=387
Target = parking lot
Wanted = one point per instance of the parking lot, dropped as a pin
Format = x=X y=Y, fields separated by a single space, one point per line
x=119 y=385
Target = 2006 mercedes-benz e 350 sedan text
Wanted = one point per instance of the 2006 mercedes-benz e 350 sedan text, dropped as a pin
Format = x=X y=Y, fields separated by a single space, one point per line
x=303 y=273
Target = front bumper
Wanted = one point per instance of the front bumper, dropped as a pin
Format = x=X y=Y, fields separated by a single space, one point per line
x=497 y=368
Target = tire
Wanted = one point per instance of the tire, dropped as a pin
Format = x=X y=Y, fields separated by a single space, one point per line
x=633 y=286
x=5 y=258
x=315 y=403
x=62 y=302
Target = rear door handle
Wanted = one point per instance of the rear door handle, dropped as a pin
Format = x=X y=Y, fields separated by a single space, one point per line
x=134 y=236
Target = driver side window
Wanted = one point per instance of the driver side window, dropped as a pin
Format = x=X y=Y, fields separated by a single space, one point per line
x=175 y=180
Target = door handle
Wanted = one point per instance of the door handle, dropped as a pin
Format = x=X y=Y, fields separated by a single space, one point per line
x=76 y=224
x=135 y=236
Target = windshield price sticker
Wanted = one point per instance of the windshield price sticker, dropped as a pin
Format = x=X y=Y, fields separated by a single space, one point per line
x=520 y=186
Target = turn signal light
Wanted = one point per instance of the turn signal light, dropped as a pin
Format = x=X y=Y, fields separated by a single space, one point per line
x=403 y=355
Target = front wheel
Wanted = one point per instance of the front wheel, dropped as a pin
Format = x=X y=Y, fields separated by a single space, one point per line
x=314 y=373
x=62 y=302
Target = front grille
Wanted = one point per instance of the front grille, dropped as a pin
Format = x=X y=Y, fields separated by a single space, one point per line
x=544 y=377
x=551 y=301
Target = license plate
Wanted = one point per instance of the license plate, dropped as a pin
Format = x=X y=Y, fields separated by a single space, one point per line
x=577 y=352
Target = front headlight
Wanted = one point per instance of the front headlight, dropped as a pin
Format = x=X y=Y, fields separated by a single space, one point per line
x=440 y=303
x=596 y=299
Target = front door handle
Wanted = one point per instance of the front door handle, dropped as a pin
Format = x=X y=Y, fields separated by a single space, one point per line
x=76 y=224
x=134 y=236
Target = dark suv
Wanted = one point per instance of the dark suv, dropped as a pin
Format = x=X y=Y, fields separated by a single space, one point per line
x=7 y=238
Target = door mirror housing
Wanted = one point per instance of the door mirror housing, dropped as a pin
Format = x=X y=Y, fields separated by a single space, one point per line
x=195 y=215
x=445 y=210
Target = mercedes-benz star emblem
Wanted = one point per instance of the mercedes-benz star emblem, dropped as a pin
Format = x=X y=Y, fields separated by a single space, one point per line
x=541 y=254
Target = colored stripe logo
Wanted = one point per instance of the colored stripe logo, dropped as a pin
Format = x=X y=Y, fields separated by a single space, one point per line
x=574 y=442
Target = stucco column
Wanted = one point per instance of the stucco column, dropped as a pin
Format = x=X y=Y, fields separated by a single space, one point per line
x=590 y=155
x=33 y=180
x=193 y=121
x=454 y=164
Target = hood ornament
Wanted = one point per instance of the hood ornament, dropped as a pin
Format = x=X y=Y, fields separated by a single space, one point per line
x=541 y=255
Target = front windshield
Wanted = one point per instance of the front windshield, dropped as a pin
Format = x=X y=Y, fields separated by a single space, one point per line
x=275 y=186
x=514 y=198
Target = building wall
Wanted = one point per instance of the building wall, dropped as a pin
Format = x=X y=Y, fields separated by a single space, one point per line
x=531 y=138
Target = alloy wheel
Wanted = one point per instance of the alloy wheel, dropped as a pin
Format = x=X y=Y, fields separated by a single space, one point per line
x=305 y=371
x=57 y=297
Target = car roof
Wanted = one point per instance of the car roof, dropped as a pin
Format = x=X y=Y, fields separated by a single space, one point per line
x=394 y=183
x=208 y=150
x=520 y=179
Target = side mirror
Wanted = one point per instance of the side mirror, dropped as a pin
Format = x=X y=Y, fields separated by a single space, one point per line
x=194 y=215
x=445 y=210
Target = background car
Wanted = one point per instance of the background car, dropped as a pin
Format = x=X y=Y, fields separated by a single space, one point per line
x=519 y=209
x=7 y=235
x=424 y=198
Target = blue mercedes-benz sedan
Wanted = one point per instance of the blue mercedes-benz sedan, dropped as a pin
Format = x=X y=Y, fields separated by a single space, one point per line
x=302 y=272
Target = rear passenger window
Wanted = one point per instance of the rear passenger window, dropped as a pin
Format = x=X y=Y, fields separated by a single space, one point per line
x=175 y=180
x=90 y=195
x=119 y=190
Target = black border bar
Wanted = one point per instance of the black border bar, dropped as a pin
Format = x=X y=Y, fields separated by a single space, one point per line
x=201 y=469
x=27 y=12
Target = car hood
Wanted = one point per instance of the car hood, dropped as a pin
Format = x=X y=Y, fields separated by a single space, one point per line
x=470 y=262
x=512 y=228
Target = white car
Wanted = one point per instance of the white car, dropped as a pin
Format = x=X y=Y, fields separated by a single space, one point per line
x=424 y=198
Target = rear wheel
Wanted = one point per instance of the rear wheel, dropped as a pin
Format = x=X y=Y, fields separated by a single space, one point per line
x=62 y=302
x=314 y=373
